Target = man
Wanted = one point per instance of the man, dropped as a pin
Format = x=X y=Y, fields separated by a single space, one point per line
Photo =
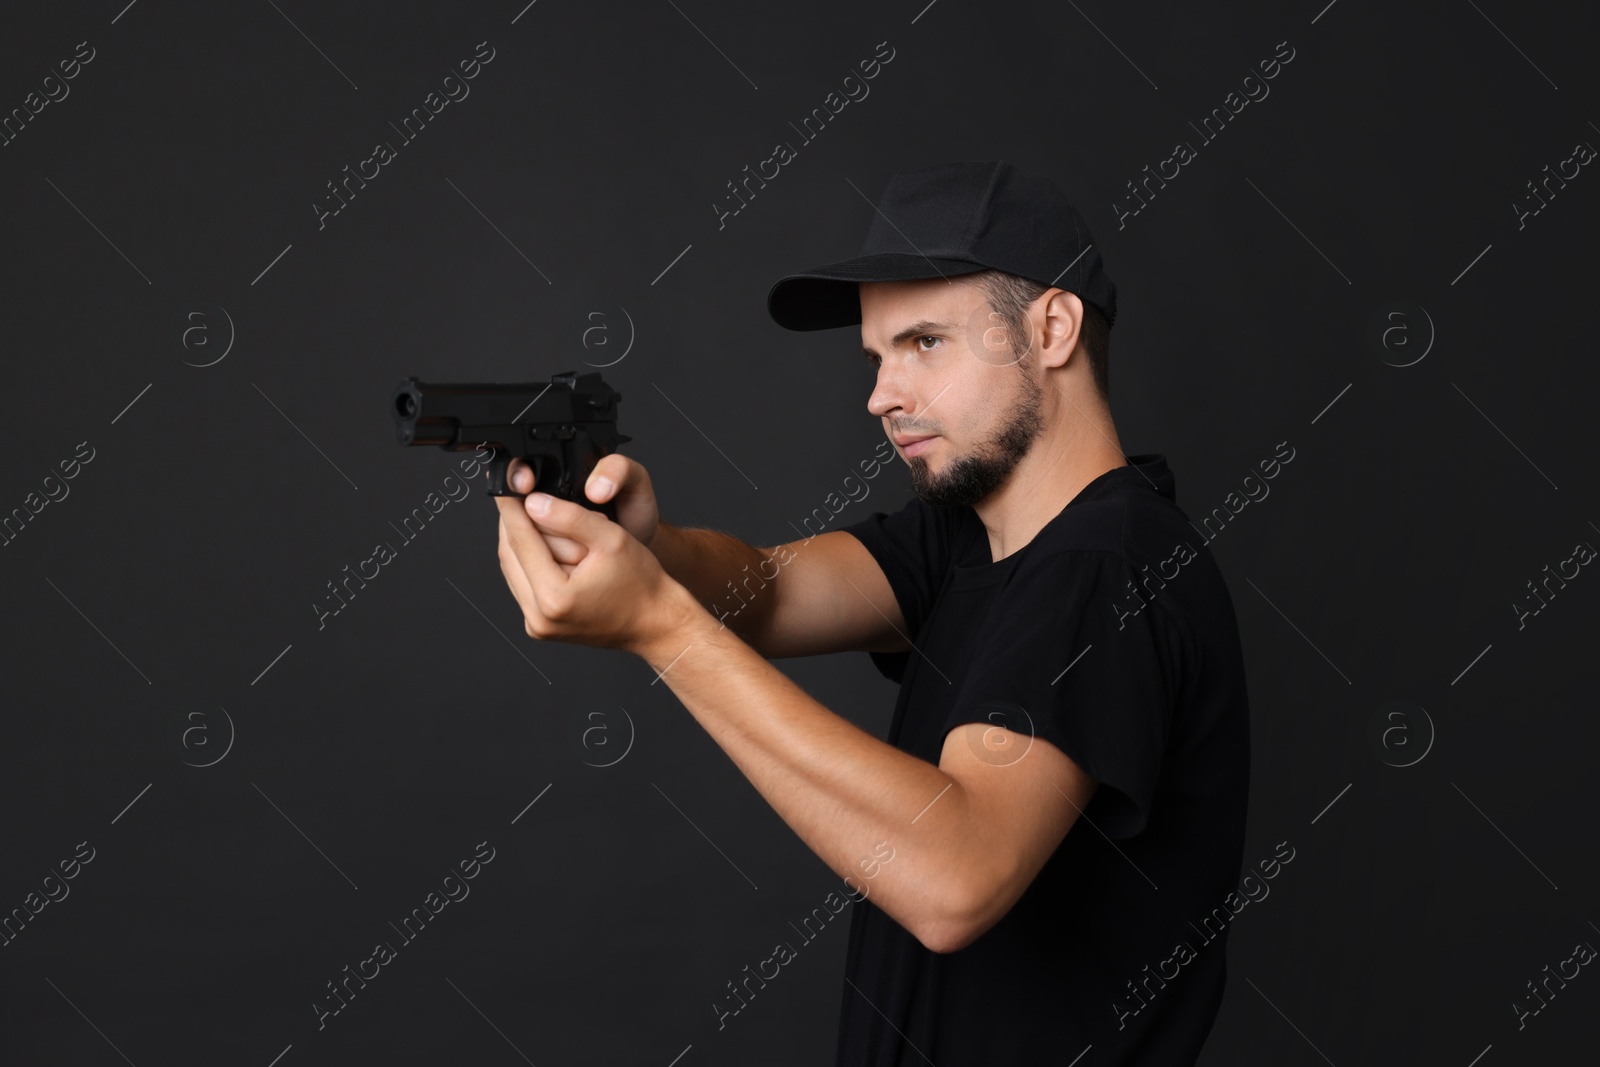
x=1061 y=797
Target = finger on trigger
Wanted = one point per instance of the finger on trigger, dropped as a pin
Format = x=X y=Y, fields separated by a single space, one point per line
x=519 y=476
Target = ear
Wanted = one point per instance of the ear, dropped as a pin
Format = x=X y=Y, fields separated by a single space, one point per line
x=1063 y=318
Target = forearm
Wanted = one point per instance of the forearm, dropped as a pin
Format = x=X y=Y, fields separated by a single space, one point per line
x=720 y=571
x=840 y=789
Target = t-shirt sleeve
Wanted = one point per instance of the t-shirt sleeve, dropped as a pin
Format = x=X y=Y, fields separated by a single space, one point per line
x=913 y=548
x=1075 y=655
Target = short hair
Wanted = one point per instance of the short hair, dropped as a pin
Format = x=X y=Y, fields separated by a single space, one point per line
x=1010 y=295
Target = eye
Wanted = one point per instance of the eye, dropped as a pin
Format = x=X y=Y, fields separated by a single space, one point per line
x=925 y=337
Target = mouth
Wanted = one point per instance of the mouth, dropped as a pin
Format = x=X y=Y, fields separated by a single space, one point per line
x=911 y=446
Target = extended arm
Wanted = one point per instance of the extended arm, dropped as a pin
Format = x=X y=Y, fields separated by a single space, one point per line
x=968 y=835
x=808 y=597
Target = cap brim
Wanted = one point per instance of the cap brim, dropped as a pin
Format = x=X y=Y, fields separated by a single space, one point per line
x=826 y=297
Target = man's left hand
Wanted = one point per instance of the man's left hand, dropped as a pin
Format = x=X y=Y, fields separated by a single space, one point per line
x=615 y=596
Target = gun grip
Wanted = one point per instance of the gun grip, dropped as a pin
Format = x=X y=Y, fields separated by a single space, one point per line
x=500 y=464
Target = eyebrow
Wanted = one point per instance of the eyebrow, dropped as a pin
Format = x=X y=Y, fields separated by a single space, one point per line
x=916 y=329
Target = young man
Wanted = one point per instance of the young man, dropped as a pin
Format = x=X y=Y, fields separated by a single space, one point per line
x=1061 y=796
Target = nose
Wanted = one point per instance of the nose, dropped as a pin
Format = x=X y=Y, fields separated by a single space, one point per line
x=889 y=394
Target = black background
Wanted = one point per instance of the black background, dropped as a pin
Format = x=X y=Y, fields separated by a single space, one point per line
x=173 y=587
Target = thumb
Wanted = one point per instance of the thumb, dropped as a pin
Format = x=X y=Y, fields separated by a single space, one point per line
x=608 y=475
x=566 y=518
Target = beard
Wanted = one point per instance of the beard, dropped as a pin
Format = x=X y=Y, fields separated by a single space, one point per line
x=971 y=478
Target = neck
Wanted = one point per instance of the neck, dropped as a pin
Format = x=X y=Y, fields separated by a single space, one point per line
x=1079 y=444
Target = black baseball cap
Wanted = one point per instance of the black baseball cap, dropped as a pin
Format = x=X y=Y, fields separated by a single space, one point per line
x=949 y=220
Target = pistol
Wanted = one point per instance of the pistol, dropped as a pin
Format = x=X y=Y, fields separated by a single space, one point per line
x=560 y=428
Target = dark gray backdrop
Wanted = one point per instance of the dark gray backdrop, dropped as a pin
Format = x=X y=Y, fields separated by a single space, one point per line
x=160 y=613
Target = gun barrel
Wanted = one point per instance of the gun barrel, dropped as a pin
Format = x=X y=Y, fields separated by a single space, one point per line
x=433 y=413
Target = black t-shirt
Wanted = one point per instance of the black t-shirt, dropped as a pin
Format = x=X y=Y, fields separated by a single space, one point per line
x=1112 y=636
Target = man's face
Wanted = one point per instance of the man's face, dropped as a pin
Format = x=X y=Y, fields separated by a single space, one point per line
x=946 y=367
